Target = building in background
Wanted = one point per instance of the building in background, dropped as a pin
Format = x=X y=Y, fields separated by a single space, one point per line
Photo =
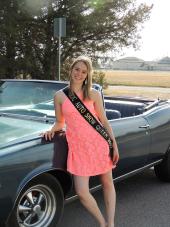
x=133 y=63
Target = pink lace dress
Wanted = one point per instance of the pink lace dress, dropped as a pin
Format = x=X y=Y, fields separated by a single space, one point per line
x=88 y=153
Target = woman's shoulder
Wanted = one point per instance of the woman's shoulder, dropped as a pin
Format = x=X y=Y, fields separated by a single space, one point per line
x=59 y=96
x=94 y=94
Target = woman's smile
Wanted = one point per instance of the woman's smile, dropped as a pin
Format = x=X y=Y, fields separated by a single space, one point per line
x=79 y=72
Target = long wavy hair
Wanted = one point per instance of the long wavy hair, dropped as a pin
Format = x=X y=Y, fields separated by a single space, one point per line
x=87 y=83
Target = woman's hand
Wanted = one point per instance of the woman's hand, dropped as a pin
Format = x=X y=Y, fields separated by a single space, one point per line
x=48 y=134
x=115 y=155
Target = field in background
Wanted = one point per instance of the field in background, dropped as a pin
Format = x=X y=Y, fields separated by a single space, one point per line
x=138 y=78
x=137 y=92
x=141 y=79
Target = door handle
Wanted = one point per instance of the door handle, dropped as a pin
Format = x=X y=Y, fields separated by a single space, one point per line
x=144 y=126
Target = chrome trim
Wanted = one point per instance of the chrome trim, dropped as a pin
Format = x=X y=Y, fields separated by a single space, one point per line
x=144 y=126
x=37 y=207
x=44 y=119
x=116 y=179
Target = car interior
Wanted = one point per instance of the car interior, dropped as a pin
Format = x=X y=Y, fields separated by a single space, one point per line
x=118 y=108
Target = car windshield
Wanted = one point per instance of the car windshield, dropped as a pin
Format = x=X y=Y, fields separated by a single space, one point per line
x=30 y=98
x=14 y=93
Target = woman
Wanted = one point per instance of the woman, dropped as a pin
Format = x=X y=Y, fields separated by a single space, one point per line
x=88 y=153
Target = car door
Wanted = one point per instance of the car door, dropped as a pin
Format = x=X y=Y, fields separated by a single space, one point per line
x=159 y=121
x=133 y=139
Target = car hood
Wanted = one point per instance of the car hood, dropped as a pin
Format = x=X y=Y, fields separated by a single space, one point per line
x=13 y=129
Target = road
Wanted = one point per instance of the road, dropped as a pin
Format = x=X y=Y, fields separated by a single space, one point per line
x=142 y=201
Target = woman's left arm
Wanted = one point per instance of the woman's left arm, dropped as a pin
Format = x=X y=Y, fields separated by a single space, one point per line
x=98 y=104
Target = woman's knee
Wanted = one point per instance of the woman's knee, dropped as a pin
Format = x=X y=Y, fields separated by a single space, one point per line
x=107 y=184
x=107 y=180
x=82 y=193
x=81 y=186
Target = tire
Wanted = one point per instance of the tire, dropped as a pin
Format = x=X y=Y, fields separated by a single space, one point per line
x=40 y=204
x=162 y=170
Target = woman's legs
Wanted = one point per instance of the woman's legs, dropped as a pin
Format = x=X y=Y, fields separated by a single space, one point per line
x=109 y=197
x=82 y=189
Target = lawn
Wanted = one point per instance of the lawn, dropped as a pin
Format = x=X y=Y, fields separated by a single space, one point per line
x=140 y=79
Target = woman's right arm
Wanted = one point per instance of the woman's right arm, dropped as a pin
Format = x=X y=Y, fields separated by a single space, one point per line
x=60 y=121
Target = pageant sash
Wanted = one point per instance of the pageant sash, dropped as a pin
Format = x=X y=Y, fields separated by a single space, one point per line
x=88 y=116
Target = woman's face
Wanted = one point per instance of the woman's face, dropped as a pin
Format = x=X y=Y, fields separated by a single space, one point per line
x=79 y=72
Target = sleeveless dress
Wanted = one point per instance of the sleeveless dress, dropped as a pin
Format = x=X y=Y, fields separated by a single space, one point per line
x=88 y=151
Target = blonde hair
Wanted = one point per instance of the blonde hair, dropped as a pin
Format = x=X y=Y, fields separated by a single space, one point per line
x=87 y=84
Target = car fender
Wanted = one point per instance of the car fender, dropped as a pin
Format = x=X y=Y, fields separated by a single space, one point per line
x=58 y=173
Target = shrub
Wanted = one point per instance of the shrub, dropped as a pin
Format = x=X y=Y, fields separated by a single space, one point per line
x=99 y=78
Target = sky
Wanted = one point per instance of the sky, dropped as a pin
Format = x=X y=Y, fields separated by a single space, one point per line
x=155 y=36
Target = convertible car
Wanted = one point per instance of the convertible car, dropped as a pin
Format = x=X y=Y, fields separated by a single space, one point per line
x=34 y=183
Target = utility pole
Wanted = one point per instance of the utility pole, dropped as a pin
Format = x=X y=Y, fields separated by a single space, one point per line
x=59 y=31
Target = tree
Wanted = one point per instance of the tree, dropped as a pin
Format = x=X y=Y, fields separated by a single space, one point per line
x=92 y=26
x=7 y=37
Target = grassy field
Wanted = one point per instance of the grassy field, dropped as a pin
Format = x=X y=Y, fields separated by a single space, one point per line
x=141 y=79
x=136 y=93
x=138 y=78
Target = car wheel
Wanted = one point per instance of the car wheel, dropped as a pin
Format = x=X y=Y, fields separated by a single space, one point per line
x=40 y=204
x=162 y=170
